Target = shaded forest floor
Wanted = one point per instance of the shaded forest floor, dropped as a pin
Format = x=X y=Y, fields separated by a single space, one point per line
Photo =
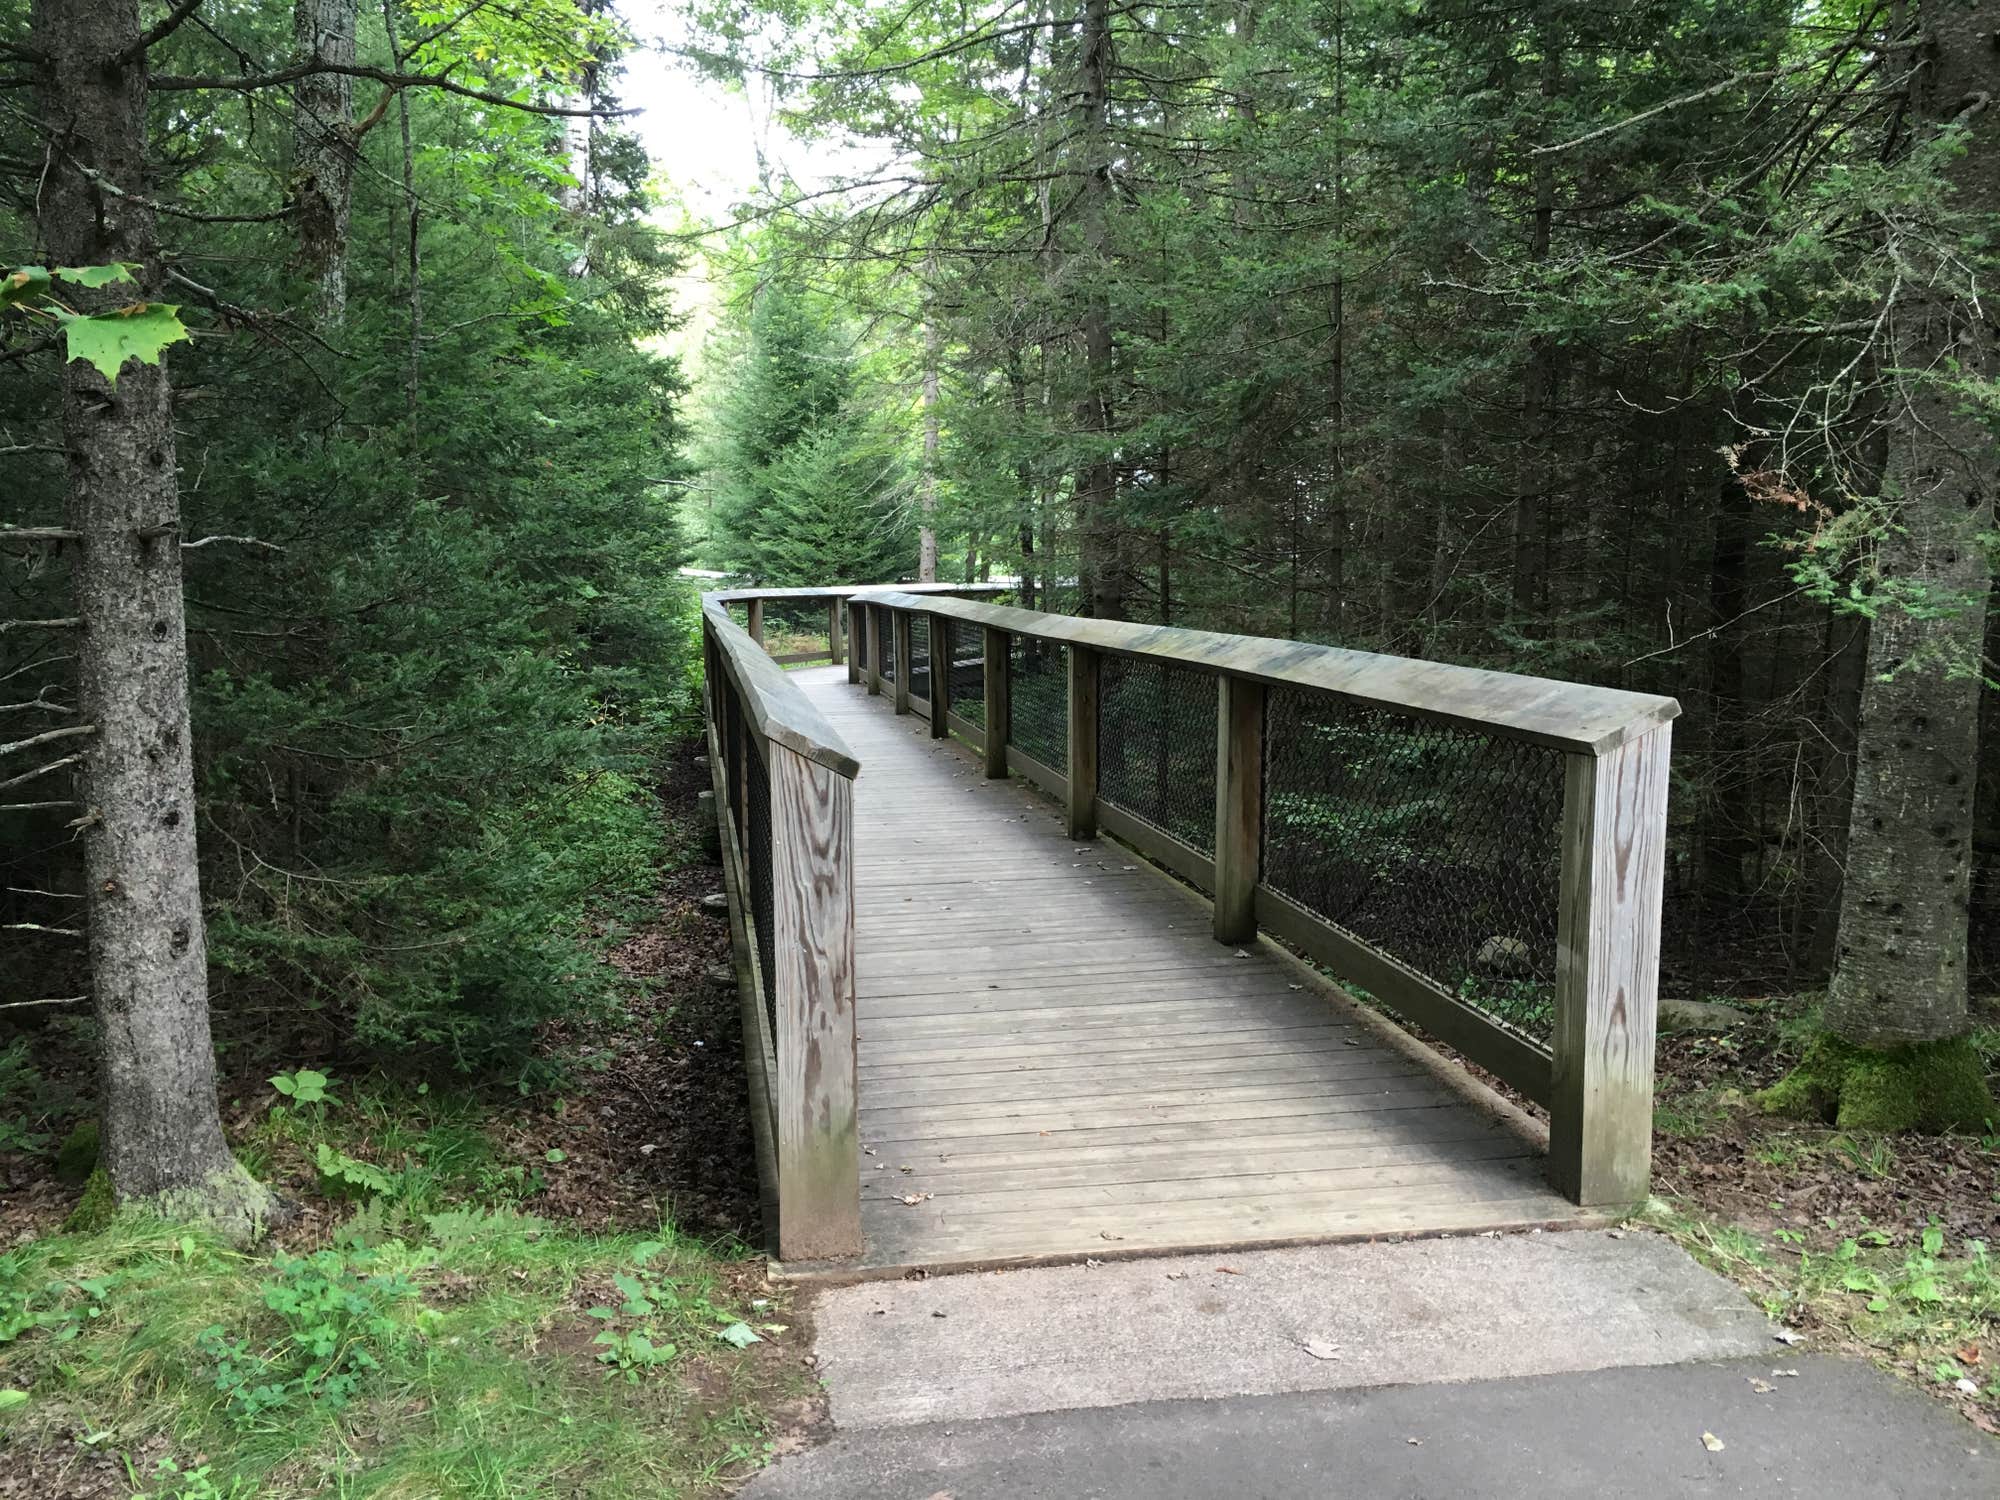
x=484 y=1292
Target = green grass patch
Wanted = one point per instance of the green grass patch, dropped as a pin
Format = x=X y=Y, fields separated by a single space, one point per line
x=1916 y=1300
x=443 y=1341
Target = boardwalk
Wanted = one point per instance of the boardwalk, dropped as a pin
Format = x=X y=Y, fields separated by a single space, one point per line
x=1058 y=1060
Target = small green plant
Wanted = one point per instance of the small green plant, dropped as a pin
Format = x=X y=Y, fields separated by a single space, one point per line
x=338 y=1313
x=344 y=1176
x=60 y=1308
x=1874 y=1159
x=633 y=1353
x=176 y=1483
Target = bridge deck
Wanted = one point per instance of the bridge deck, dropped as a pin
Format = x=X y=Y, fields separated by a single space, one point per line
x=1058 y=1060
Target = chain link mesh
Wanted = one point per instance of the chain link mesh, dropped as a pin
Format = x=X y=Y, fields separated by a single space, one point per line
x=888 y=618
x=1039 y=694
x=1156 y=746
x=1435 y=844
x=920 y=657
x=968 y=672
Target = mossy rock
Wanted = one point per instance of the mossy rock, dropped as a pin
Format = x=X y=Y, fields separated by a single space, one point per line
x=96 y=1208
x=1930 y=1087
x=76 y=1158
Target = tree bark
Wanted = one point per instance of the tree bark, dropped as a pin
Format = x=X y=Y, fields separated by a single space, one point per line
x=927 y=544
x=323 y=147
x=1097 y=488
x=162 y=1143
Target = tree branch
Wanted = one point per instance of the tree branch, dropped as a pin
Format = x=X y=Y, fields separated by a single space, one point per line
x=179 y=83
x=69 y=624
x=67 y=732
x=159 y=32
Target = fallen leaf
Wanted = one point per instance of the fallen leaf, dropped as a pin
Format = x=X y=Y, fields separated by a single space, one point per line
x=1969 y=1387
x=1786 y=1374
x=1761 y=1387
x=1227 y=1271
x=911 y=1200
x=1177 y=1276
x=1108 y=1235
x=1320 y=1349
x=1787 y=1336
x=1711 y=1442
x=1414 y=1442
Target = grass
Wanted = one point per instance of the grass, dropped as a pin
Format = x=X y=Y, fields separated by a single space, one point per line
x=1914 y=1300
x=442 y=1341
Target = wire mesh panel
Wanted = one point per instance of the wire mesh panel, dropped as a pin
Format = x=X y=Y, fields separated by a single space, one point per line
x=1437 y=845
x=968 y=673
x=1156 y=746
x=732 y=752
x=889 y=662
x=1039 y=672
x=857 y=637
x=757 y=804
x=920 y=657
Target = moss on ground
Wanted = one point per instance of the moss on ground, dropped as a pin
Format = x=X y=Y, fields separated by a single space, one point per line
x=1932 y=1087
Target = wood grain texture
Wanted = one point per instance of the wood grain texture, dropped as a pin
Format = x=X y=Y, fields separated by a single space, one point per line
x=773 y=706
x=834 y=648
x=757 y=621
x=812 y=829
x=1069 y=1065
x=999 y=703
x=1239 y=806
x=941 y=649
x=1080 y=774
x=1607 y=972
x=1563 y=715
x=899 y=623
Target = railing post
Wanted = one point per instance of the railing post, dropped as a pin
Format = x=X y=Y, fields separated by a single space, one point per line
x=1084 y=676
x=1239 y=806
x=900 y=624
x=941 y=677
x=812 y=903
x=1607 y=972
x=833 y=650
x=999 y=703
x=872 y=616
x=857 y=639
x=757 y=621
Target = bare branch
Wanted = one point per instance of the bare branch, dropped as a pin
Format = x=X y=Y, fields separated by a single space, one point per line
x=67 y=732
x=69 y=624
x=55 y=1000
x=180 y=83
x=244 y=541
x=54 y=765
x=38 y=927
x=159 y=32
x=38 y=534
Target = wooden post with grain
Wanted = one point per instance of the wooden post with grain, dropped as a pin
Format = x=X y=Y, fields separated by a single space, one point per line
x=757 y=621
x=818 y=1131
x=1084 y=676
x=1239 y=806
x=833 y=646
x=900 y=624
x=873 y=620
x=941 y=677
x=1607 y=971
x=999 y=704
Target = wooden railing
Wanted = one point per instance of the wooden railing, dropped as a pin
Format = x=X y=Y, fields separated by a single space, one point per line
x=1479 y=851
x=832 y=602
x=783 y=783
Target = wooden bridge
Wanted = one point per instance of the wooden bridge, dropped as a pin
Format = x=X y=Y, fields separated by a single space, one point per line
x=1033 y=915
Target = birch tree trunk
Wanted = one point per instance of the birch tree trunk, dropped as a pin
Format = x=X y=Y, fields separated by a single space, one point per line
x=161 y=1135
x=1897 y=1055
x=323 y=148
x=927 y=547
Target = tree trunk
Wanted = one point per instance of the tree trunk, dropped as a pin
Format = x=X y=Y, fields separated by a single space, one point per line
x=323 y=151
x=1097 y=488
x=1897 y=1055
x=162 y=1144
x=412 y=220
x=927 y=544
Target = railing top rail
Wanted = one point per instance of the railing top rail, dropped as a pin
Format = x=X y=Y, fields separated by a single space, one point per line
x=772 y=701
x=846 y=590
x=1564 y=715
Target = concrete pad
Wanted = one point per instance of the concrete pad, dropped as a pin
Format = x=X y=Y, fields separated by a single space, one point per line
x=1325 y=1317
x=1837 y=1430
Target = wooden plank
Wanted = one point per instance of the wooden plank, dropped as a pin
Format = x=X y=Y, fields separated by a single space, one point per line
x=999 y=703
x=1080 y=774
x=813 y=985
x=874 y=617
x=756 y=608
x=772 y=703
x=1156 y=844
x=834 y=648
x=1502 y=1052
x=940 y=705
x=1239 y=807
x=1561 y=715
x=1607 y=973
x=899 y=624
